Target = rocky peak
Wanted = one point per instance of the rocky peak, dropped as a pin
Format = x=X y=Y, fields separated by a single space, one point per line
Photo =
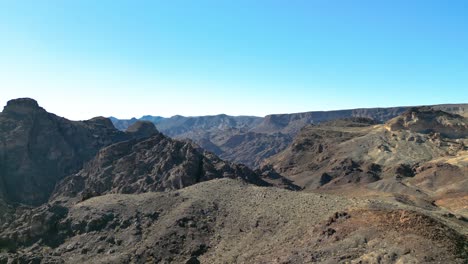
x=22 y=106
x=142 y=129
x=102 y=122
x=37 y=149
x=157 y=163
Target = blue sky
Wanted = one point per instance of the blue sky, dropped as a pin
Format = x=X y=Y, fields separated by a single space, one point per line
x=85 y=58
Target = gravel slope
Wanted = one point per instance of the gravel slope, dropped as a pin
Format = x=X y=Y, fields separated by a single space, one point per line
x=228 y=221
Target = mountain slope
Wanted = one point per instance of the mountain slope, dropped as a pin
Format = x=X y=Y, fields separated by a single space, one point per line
x=39 y=148
x=259 y=138
x=123 y=124
x=292 y=123
x=157 y=163
x=427 y=120
x=227 y=221
x=177 y=126
x=239 y=146
x=400 y=157
x=148 y=198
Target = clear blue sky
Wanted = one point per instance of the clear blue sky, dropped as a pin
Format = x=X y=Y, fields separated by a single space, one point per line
x=86 y=58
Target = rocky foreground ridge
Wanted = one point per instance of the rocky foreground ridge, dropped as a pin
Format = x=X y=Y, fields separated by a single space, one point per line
x=229 y=221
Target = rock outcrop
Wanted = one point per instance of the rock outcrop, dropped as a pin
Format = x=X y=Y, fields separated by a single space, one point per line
x=426 y=120
x=157 y=163
x=141 y=129
x=417 y=155
x=37 y=148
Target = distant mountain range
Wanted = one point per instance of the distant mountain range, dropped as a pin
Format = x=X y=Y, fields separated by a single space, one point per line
x=257 y=138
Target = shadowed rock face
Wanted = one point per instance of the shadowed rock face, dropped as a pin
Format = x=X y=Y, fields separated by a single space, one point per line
x=122 y=124
x=157 y=163
x=142 y=129
x=38 y=148
x=177 y=126
x=248 y=148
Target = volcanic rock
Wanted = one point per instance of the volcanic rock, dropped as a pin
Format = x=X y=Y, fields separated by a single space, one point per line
x=39 y=148
x=157 y=163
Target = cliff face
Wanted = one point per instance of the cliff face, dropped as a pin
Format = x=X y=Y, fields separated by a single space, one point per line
x=157 y=163
x=38 y=148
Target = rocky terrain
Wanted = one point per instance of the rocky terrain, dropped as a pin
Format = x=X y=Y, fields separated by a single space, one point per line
x=228 y=221
x=249 y=148
x=292 y=123
x=259 y=138
x=419 y=157
x=347 y=190
x=426 y=120
x=152 y=164
x=123 y=124
x=39 y=148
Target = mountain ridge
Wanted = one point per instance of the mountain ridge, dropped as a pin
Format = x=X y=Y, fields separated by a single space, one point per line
x=39 y=148
x=401 y=157
x=213 y=132
x=343 y=190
